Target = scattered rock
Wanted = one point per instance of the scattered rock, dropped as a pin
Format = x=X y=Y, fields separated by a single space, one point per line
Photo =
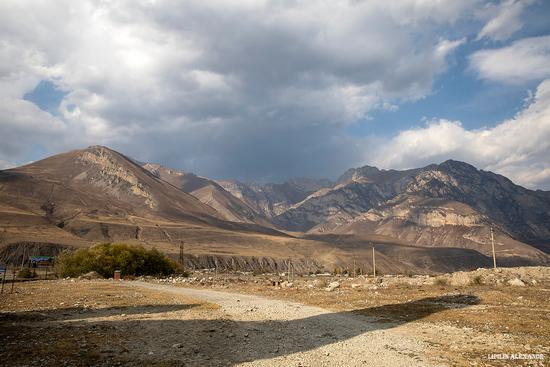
x=332 y=286
x=516 y=282
x=91 y=275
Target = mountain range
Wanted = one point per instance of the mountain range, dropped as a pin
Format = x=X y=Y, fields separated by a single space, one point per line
x=434 y=218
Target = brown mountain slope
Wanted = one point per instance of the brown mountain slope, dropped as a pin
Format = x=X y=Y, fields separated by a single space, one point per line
x=436 y=223
x=448 y=205
x=97 y=195
x=523 y=213
x=210 y=193
x=94 y=182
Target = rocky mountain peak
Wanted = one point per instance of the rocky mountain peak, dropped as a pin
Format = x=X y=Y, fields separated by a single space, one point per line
x=359 y=173
x=458 y=165
x=109 y=169
x=159 y=170
x=309 y=184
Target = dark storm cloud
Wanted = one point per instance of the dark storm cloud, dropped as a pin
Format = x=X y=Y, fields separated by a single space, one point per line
x=265 y=152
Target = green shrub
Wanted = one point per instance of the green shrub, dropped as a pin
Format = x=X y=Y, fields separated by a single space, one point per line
x=106 y=258
x=26 y=273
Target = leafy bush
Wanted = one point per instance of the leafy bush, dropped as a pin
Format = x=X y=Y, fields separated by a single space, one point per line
x=106 y=258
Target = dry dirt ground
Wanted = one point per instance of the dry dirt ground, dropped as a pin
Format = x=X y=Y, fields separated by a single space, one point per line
x=361 y=323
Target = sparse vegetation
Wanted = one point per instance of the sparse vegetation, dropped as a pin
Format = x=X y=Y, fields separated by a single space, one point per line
x=184 y=273
x=477 y=280
x=260 y=271
x=321 y=283
x=440 y=281
x=26 y=273
x=106 y=258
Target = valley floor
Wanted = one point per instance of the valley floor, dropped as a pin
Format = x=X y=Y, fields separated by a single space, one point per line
x=249 y=322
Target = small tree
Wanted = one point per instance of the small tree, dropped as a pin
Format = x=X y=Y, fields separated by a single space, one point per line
x=106 y=258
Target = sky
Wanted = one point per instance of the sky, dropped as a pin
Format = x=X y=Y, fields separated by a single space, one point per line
x=270 y=90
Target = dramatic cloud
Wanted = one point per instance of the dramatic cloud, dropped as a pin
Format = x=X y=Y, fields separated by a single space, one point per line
x=262 y=90
x=524 y=60
x=241 y=89
x=517 y=148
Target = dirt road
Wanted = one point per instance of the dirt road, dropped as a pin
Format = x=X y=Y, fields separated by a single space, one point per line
x=282 y=333
x=110 y=323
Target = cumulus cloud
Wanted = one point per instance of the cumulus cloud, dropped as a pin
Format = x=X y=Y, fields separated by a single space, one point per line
x=24 y=125
x=241 y=89
x=522 y=61
x=504 y=19
x=517 y=148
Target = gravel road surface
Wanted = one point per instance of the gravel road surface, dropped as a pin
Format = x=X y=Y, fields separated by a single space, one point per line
x=282 y=333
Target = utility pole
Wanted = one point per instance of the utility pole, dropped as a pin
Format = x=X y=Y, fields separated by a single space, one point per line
x=289 y=270
x=13 y=280
x=4 y=278
x=493 y=248
x=373 y=262
x=23 y=257
x=182 y=262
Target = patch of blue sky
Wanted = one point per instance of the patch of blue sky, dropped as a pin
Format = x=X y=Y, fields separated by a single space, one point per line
x=47 y=96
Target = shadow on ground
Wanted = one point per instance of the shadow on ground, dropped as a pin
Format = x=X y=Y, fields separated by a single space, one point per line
x=160 y=335
x=80 y=313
